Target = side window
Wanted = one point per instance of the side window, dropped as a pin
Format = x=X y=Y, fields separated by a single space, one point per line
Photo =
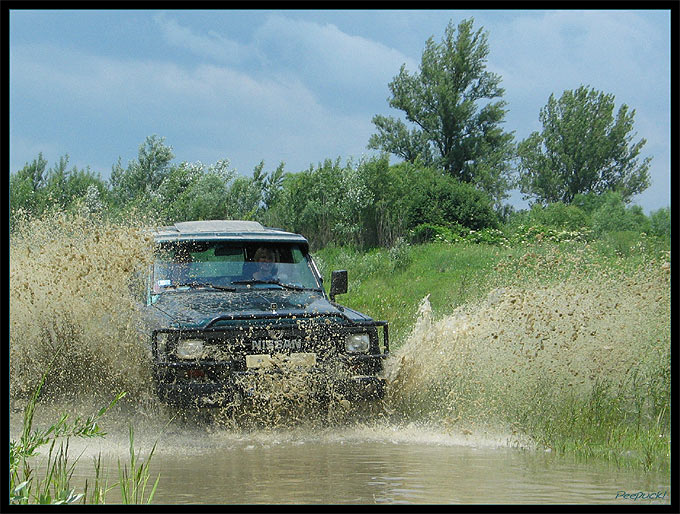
x=297 y=256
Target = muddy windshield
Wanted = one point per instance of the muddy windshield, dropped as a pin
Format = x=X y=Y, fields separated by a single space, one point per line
x=231 y=266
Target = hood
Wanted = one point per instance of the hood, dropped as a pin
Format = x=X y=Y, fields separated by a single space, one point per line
x=197 y=308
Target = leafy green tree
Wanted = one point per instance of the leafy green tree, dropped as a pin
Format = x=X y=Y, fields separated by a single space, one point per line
x=193 y=191
x=457 y=123
x=144 y=175
x=394 y=137
x=25 y=186
x=660 y=222
x=582 y=149
x=198 y=192
x=270 y=184
x=383 y=219
x=559 y=216
x=63 y=186
x=613 y=215
x=172 y=202
x=35 y=188
x=325 y=203
x=243 y=198
x=205 y=199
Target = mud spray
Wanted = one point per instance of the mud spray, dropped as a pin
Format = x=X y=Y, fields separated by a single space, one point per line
x=73 y=310
x=528 y=350
x=521 y=350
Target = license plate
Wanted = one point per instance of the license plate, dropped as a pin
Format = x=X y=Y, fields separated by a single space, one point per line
x=293 y=360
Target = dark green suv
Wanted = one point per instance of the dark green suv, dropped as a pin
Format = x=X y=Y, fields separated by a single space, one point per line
x=228 y=300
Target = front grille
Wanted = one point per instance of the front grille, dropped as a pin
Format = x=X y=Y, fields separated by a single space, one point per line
x=237 y=343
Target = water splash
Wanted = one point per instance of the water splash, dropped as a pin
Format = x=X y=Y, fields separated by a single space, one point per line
x=72 y=308
x=524 y=349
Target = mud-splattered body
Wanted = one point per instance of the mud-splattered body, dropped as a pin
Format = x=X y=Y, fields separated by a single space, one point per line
x=216 y=325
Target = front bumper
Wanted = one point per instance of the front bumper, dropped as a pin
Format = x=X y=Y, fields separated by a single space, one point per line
x=231 y=390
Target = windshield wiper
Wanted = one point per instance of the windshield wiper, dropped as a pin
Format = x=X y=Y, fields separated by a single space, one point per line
x=201 y=284
x=273 y=282
x=221 y=288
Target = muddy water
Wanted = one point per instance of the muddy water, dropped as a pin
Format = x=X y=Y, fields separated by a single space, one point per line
x=366 y=464
x=485 y=365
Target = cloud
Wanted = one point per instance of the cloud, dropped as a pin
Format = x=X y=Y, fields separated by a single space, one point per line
x=325 y=48
x=198 y=105
x=211 y=45
x=347 y=72
x=57 y=75
x=335 y=64
x=597 y=48
x=542 y=53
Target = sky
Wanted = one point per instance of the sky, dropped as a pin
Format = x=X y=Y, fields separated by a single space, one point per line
x=302 y=86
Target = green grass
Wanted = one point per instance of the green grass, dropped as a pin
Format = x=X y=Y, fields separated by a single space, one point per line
x=389 y=285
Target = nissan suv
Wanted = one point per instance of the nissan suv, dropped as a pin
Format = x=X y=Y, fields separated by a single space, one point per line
x=231 y=302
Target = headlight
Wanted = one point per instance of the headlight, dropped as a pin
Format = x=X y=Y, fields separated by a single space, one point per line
x=357 y=343
x=162 y=339
x=189 y=348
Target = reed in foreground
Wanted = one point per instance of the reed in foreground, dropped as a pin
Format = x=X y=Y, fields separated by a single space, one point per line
x=55 y=487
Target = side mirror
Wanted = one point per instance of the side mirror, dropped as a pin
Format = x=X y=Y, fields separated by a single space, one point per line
x=338 y=283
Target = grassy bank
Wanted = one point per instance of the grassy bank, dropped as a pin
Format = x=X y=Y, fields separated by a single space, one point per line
x=567 y=343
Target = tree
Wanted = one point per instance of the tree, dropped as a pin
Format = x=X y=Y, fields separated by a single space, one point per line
x=34 y=188
x=63 y=186
x=439 y=199
x=26 y=184
x=443 y=100
x=325 y=203
x=193 y=191
x=582 y=149
x=143 y=176
x=613 y=215
x=383 y=218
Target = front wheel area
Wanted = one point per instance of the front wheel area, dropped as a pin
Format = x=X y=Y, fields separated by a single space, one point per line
x=275 y=398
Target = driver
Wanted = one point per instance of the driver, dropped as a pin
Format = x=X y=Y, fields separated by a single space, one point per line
x=265 y=259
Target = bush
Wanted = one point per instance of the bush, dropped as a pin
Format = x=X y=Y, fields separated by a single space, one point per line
x=489 y=236
x=621 y=242
x=400 y=255
x=429 y=233
x=660 y=222
x=526 y=234
x=559 y=215
x=441 y=200
x=613 y=216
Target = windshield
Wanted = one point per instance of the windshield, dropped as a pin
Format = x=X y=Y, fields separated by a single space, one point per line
x=231 y=266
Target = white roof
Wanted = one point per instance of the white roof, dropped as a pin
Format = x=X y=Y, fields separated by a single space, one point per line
x=218 y=226
x=224 y=229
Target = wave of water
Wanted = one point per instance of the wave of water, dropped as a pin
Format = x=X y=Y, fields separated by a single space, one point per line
x=72 y=310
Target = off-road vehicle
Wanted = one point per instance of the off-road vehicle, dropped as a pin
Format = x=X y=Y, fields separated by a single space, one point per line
x=233 y=300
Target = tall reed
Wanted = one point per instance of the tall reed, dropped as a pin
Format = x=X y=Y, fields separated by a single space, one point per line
x=54 y=488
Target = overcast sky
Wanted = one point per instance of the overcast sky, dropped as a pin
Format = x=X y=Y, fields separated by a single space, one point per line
x=302 y=86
